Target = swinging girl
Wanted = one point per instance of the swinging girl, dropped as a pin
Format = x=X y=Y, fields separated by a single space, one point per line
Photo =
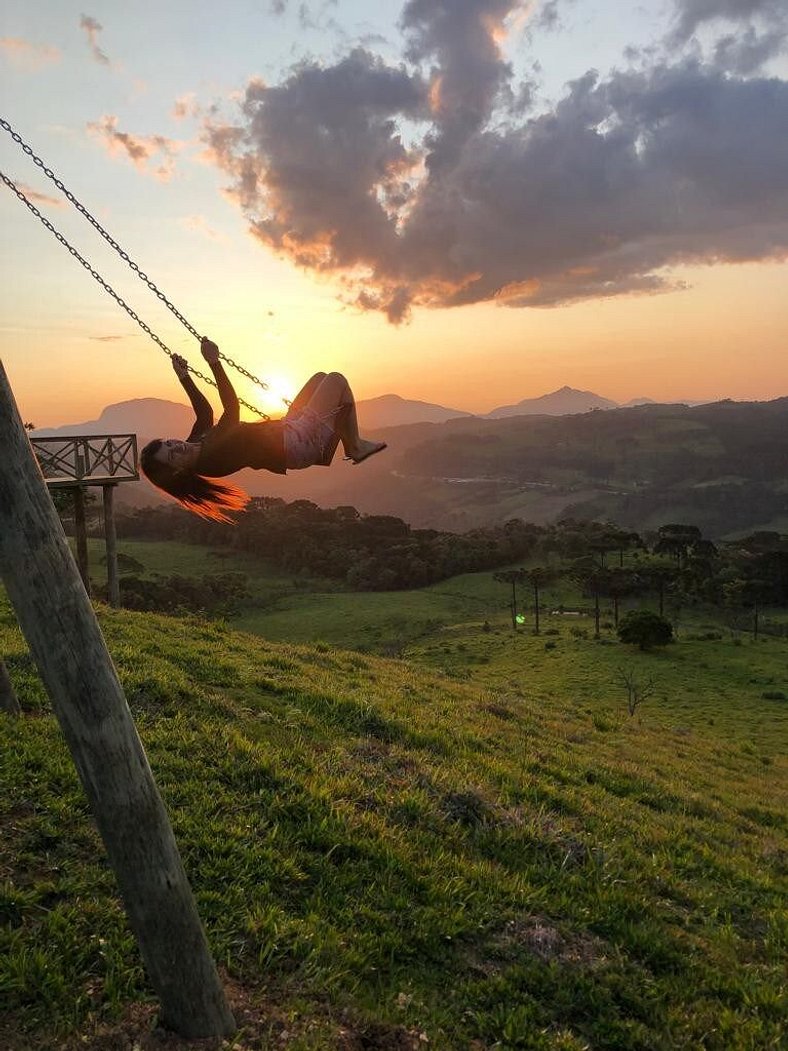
x=321 y=416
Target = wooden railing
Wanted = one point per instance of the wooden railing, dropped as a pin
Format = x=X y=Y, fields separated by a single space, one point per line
x=96 y=459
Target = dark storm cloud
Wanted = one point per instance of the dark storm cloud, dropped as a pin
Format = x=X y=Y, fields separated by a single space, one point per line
x=623 y=179
x=461 y=38
x=320 y=167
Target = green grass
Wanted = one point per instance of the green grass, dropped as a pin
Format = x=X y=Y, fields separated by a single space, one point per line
x=189 y=560
x=475 y=844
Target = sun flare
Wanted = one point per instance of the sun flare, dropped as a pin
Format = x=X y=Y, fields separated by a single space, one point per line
x=274 y=400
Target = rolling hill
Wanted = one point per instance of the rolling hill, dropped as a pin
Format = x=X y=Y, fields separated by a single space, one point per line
x=445 y=851
x=723 y=466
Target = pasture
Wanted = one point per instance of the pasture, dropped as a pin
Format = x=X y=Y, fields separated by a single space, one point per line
x=472 y=845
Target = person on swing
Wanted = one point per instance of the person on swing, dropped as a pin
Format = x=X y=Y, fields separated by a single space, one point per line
x=322 y=415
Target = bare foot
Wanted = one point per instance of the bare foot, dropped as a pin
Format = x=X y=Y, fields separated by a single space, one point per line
x=364 y=450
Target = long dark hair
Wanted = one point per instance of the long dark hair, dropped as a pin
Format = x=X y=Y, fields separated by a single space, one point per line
x=204 y=496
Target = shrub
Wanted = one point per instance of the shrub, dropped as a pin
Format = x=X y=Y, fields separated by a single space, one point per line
x=645 y=629
x=217 y=595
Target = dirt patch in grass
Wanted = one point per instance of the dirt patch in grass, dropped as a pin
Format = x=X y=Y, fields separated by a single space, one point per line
x=542 y=939
x=379 y=1037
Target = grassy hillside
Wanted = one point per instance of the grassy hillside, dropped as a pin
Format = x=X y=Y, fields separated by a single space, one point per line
x=473 y=848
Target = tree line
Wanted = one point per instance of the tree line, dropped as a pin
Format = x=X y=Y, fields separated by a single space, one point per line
x=677 y=566
x=366 y=552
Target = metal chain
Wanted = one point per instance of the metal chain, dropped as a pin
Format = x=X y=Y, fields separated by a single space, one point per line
x=107 y=288
x=124 y=255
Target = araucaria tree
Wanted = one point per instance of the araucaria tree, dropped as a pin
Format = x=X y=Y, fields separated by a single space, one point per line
x=538 y=577
x=513 y=577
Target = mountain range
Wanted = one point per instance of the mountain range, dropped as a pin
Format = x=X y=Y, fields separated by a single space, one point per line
x=721 y=466
x=150 y=417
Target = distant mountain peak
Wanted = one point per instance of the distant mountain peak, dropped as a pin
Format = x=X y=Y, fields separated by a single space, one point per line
x=152 y=417
x=392 y=410
x=566 y=401
x=142 y=416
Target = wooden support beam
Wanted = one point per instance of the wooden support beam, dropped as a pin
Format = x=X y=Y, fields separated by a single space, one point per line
x=8 y=699
x=81 y=532
x=111 y=544
x=62 y=632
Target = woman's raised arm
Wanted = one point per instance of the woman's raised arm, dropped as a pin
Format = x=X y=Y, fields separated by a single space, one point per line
x=210 y=352
x=200 y=404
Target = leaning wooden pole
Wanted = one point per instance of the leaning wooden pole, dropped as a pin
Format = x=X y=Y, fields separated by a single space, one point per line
x=62 y=632
x=81 y=535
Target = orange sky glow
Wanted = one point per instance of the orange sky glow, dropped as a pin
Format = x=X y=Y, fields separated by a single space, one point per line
x=158 y=152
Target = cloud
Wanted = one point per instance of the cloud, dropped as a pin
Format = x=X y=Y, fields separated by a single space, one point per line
x=691 y=14
x=411 y=186
x=463 y=38
x=40 y=198
x=92 y=29
x=26 y=56
x=760 y=30
x=106 y=339
x=186 y=106
x=140 y=149
x=199 y=224
x=321 y=169
x=548 y=17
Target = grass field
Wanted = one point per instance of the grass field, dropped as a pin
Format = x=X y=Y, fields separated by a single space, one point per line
x=472 y=846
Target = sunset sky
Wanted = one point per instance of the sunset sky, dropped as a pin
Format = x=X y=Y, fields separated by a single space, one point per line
x=466 y=202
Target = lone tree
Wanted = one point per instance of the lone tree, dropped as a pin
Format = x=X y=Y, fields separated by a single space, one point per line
x=645 y=629
x=513 y=577
x=637 y=689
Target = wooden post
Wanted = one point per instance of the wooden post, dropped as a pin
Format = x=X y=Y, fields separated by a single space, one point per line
x=81 y=531
x=111 y=545
x=62 y=632
x=8 y=701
